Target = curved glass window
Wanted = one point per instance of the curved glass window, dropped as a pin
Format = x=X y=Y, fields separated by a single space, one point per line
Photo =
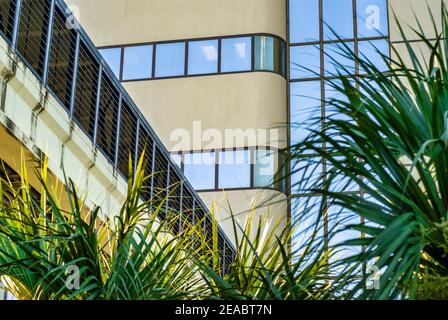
x=264 y=168
x=170 y=59
x=194 y=57
x=269 y=54
x=137 y=62
x=236 y=54
x=203 y=57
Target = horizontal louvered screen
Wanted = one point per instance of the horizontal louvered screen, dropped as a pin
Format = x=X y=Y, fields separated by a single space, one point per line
x=7 y=14
x=33 y=30
x=86 y=90
x=62 y=59
x=107 y=118
x=128 y=133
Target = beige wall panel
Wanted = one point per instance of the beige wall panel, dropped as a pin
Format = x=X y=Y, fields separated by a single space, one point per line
x=269 y=206
x=405 y=10
x=111 y=22
x=245 y=101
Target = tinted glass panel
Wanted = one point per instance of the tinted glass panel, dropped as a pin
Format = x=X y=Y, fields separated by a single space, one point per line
x=264 y=168
x=338 y=19
x=203 y=57
x=113 y=59
x=200 y=170
x=372 y=18
x=374 y=52
x=339 y=58
x=306 y=173
x=236 y=54
x=305 y=62
x=170 y=59
x=137 y=62
x=269 y=54
x=305 y=109
x=177 y=159
x=304 y=20
x=234 y=169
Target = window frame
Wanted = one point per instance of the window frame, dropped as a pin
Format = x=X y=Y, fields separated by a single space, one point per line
x=219 y=71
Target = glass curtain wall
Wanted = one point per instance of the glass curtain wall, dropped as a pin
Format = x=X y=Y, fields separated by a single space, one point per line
x=318 y=30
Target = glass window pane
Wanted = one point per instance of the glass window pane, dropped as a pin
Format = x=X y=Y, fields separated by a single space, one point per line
x=236 y=54
x=137 y=62
x=303 y=20
x=372 y=18
x=305 y=109
x=203 y=57
x=305 y=62
x=339 y=58
x=170 y=59
x=269 y=54
x=338 y=19
x=113 y=59
x=306 y=174
x=200 y=170
x=333 y=100
x=234 y=169
x=305 y=213
x=177 y=159
x=374 y=52
x=264 y=168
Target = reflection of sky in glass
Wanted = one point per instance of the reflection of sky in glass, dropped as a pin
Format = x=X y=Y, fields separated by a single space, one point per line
x=236 y=54
x=339 y=58
x=339 y=220
x=304 y=21
x=338 y=19
x=113 y=59
x=200 y=170
x=305 y=174
x=372 y=18
x=264 y=168
x=373 y=51
x=305 y=109
x=177 y=159
x=304 y=212
x=137 y=62
x=234 y=169
x=203 y=57
x=305 y=62
x=170 y=59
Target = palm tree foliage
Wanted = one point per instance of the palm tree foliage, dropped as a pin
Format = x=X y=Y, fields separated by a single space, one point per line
x=387 y=139
x=134 y=255
x=129 y=256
